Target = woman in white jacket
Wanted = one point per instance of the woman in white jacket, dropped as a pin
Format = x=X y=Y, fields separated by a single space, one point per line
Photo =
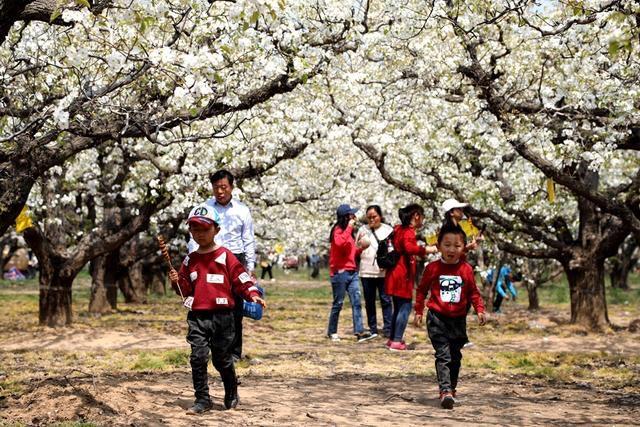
x=371 y=275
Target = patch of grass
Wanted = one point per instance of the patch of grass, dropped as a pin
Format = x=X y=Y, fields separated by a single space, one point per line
x=557 y=292
x=598 y=369
x=630 y=297
x=161 y=360
x=10 y=388
x=302 y=274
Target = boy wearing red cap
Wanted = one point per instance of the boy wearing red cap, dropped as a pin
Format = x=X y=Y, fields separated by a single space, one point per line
x=211 y=276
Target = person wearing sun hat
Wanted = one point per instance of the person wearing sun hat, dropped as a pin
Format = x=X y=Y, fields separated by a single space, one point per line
x=344 y=272
x=453 y=211
x=212 y=276
x=453 y=215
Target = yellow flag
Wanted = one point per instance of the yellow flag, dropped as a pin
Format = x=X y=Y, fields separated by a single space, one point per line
x=432 y=240
x=23 y=221
x=469 y=229
x=467 y=226
x=279 y=248
x=551 y=190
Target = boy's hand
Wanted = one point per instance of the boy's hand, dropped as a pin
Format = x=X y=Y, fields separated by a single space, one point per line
x=417 y=319
x=173 y=276
x=259 y=300
x=482 y=318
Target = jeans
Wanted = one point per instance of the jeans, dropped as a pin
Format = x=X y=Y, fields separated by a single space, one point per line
x=400 y=318
x=448 y=335
x=369 y=286
x=345 y=283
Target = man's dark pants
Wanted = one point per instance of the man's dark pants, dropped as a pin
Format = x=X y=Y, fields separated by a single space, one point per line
x=236 y=347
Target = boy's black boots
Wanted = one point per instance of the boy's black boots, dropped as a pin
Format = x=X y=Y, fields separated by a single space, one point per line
x=230 y=387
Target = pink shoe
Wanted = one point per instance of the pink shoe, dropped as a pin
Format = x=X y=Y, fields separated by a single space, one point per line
x=397 y=346
x=388 y=344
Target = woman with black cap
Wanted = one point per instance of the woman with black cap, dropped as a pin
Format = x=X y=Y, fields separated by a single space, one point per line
x=344 y=272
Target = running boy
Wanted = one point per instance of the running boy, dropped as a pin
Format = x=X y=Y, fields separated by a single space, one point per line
x=453 y=289
x=211 y=275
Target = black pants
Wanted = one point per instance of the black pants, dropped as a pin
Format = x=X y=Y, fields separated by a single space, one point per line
x=265 y=271
x=497 y=303
x=371 y=285
x=210 y=331
x=448 y=335
x=236 y=347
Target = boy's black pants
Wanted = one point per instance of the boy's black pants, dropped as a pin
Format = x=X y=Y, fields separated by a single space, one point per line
x=448 y=335
x=210 y=331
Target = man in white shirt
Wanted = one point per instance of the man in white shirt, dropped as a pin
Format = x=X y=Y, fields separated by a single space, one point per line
x=236 y=234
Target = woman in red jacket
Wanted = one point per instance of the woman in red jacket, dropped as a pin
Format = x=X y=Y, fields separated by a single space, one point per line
x=400 y=279
x=344 y=272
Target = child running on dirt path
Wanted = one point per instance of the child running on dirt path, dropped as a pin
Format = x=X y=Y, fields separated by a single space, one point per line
x=453 y=289
x=212 y=276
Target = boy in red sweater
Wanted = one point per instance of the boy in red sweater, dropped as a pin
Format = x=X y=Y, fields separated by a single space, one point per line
x=211 y=276
x=453 y=289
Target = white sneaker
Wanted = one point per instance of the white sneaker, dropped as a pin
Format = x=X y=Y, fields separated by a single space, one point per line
x=334 y=337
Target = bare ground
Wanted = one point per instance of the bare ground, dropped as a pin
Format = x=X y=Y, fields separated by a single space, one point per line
x=161 y=399
x=294 y=376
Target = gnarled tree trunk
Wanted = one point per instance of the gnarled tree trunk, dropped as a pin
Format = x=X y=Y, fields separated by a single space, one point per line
x=104 y=289
x=55 y=296
x=586 y=288
x=622 y=264
x=532 y=292
x=55 y=280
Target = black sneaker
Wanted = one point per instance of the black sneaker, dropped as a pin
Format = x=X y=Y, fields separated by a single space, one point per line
x=231 y=399
x=200 y=407
x=446 y=400
x=365 y=336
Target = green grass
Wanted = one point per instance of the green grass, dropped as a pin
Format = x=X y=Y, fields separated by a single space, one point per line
x=161 y=360
x=557 y=292
x=601 y=369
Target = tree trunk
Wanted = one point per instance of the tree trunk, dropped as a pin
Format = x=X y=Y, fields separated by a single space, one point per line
x=619 y=276
x=586 y=287
x=137 y=282
x=104 y=290
x=55 y=296
x=156 y=280
x=132 y=285
x=622 y=264
x=532 y=291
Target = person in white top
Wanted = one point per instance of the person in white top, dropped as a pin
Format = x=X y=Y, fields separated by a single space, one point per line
x=371 y=275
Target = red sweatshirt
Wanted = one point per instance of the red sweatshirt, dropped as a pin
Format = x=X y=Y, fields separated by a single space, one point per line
x=343 y=251
x=399 y=280
x=212 y=279
x=453 y=288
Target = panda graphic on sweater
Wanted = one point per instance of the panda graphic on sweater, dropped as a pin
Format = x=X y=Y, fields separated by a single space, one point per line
x=450 y=288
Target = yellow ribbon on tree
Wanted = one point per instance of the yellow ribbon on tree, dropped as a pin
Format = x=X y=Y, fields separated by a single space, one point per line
x=551 y=190
x=23 y=221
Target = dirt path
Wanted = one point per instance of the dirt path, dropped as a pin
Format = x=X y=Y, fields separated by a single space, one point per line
x=161 y=399
x=295 y=376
